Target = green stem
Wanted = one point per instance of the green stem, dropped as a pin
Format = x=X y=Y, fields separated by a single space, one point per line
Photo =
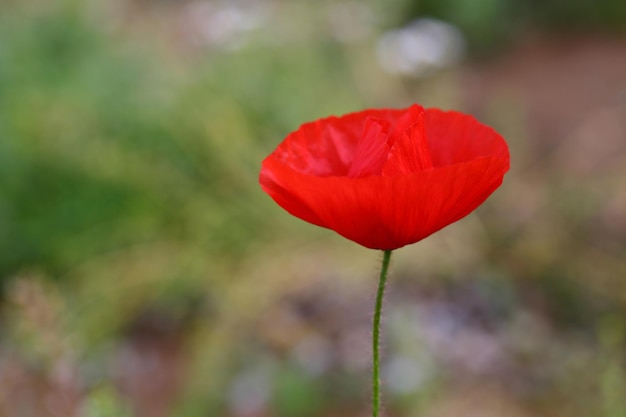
x=376 y=334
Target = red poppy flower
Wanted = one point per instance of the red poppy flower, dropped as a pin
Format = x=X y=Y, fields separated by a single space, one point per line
x=386 y=178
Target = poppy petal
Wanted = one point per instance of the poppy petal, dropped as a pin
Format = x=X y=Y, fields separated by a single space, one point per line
x=386 y=212
x=372 y=150
x=410 y=153
x=386 y=178
x=456 y=137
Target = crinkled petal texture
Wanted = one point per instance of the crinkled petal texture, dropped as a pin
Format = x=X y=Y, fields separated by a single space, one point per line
x=386 y=178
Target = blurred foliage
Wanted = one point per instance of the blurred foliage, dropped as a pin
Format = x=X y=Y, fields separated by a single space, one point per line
x=106 y=145
x=143 y=272
x=494 y=24
x=104 y=402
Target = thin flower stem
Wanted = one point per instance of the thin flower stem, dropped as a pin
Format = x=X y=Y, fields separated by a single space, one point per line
x=376 y=334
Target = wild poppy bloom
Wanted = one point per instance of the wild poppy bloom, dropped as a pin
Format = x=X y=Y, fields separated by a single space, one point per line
x=386 y=178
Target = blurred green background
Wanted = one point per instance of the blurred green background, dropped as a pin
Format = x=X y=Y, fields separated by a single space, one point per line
x=144 y=273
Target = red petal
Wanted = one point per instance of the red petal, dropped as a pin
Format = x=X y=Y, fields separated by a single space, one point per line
x=385 y=212
x=274 y=180
x=404 y=119
x=456 y=137
x=372 y=151
x=317 y=149
x=410 y=153
x=329 y=146
x=436 y=167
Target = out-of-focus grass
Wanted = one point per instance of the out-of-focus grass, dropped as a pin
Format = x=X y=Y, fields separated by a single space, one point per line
x=122 y=167
x=128 y=179
x=110 y=143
